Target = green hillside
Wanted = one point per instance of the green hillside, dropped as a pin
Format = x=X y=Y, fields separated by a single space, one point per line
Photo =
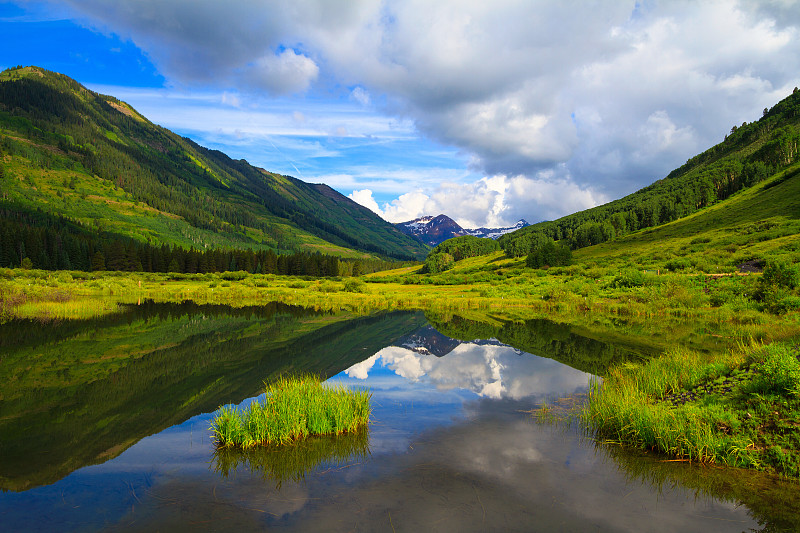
x=757 y=224
x=748 y=156
x=69 y=153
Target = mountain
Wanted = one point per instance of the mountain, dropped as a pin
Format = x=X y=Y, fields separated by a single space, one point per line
x=72 y=156
x=496 y=233
x=431 y=230
x=748 y=156
x=435 y=230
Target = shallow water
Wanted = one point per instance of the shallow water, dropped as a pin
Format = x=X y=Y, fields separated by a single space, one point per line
x=451 y=445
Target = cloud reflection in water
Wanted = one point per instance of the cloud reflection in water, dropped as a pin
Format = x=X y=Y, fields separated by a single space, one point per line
x=489 y=371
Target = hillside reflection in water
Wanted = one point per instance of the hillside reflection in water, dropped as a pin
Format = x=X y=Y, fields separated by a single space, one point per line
x=451 y=447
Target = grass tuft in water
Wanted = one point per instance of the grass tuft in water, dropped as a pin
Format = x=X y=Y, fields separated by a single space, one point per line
x=294 y=408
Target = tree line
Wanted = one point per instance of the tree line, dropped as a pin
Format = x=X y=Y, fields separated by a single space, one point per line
x=443 y=256
x=37 y=240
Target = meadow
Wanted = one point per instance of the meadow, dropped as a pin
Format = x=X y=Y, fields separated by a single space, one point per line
x=713 y=298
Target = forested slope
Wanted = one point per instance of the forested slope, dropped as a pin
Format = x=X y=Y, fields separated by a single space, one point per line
x=91 y=160
x=749 y=155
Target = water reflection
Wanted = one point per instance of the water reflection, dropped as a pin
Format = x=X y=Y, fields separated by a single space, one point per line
x=546 y=338
x=771 y=501
x=490 y=371
x=493 y=469
x=81 y=393
x=292 y=462
x=449 y=448
x=502 y=472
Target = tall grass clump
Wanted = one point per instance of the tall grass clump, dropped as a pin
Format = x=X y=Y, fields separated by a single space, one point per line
x=628 y=407
x=294 y=408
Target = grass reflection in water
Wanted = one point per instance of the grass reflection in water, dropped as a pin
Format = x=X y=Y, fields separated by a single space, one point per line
x=292 y=462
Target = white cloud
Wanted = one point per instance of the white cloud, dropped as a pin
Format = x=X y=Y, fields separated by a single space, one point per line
x=497 y=201
x=364 y=197
x=282 y=73
x=361 y=370
x=568 y=110
x=407 y=206
x=361 y=96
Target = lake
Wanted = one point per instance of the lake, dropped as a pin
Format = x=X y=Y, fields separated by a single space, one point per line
x=104 y=425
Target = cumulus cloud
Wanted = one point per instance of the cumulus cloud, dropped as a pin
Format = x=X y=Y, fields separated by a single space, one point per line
x=498 y=201
x=586 y=107
x=364 y=197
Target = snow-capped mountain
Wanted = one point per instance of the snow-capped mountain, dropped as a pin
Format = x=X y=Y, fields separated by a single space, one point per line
x=434 y=230
x=427 y=340
x=495 y=233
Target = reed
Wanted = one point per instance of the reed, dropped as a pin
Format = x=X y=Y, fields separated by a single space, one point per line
x=295 y=407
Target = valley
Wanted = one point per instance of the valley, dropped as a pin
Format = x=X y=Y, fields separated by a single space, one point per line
x=131 y=255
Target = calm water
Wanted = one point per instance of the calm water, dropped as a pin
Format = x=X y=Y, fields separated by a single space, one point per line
x=450 y=446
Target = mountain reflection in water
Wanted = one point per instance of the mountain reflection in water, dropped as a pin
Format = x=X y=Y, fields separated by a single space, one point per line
x=450 y=447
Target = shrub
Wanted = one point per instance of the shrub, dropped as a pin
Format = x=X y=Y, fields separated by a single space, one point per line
x=630 y=277
x=354 y=285
x=327 y=286
x=549 y=254
x=779 y=274
x=779 y=371
x=678 y=264
x=234 y=276
x=777 y=287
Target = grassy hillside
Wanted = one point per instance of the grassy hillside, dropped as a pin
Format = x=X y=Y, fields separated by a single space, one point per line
x=93 y=159
x=756 y=224
x=684 y=268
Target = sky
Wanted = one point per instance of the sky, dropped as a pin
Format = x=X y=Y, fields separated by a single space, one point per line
x=487 y=112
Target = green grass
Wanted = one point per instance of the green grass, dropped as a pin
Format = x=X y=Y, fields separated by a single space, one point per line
x=738 y=409
x=762 y=222
x=295 y=407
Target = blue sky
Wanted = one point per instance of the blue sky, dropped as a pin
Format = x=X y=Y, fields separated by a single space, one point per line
x=521 y=109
